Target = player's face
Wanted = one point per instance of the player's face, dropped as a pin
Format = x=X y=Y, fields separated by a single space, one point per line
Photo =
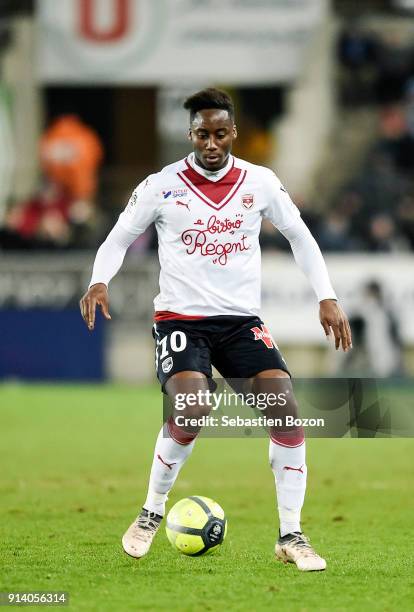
x=212 y=133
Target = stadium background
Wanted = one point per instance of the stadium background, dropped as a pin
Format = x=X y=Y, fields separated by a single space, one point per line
x=90 y=103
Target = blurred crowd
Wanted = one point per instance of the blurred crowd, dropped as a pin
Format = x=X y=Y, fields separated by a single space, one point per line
x=62 y=213
x=374 y=65
x=374 y=211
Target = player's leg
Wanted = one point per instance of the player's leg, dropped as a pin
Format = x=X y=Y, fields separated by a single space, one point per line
x=250 y=356
x=287 y=457
x=174 y=443
x=174 y=353
x=173 y=447
x=286 y=449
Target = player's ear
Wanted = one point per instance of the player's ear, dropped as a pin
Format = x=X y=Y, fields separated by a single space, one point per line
x=234 y=132
x=189 y=134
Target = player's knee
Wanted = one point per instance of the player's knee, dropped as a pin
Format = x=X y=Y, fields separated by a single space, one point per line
x=196 y=412
x=272 y=374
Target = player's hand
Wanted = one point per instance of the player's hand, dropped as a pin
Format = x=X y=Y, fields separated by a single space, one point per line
x=97 y=295
x=334 y=320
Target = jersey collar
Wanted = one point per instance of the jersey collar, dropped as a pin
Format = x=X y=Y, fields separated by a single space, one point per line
x=213 y=176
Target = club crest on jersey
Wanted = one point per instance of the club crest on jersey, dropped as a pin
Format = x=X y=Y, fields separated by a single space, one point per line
x=167 y=365
x=262 y=333
x=247 y=200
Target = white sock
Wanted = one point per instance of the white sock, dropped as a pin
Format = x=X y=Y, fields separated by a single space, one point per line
x=289 y=468
x=169 y=457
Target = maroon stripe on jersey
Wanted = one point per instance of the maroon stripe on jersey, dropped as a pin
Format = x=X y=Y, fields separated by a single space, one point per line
x=216 y=191
x=219 y=195
x=166 y=315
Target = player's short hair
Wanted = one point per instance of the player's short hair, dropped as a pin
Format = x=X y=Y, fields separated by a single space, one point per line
x=209 y=98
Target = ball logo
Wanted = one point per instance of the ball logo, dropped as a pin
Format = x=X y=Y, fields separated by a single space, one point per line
x=207 y=530
x=248 y=200
x=215 y=533
x=167 y=365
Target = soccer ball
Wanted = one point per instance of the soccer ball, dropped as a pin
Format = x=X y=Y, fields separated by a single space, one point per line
x=196 y=525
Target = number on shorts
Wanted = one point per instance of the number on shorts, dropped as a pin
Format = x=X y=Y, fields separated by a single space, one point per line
x=177 y=348
x=178 y=343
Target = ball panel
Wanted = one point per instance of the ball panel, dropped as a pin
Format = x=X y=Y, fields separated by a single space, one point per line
x=215 y=508
x=189 y=544
x=187 y=513
x=171 y=535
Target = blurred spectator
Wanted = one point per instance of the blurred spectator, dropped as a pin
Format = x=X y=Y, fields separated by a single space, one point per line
x=42 y=221
x=375 y=67
x=396 y=142
x=334 y=234
x=395 y=67
x=383 y=235
x=62 y=213
x=377 y=343
x=357 y=51
x=70 y=154
x=51 y=219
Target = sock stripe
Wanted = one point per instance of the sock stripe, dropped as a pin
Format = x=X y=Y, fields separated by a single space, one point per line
x=178 y=435
x=287 y=445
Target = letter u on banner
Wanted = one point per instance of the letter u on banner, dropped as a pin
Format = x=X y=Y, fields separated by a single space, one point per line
x=88 y=10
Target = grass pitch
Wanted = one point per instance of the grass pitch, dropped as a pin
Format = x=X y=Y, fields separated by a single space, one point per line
x=74 y=467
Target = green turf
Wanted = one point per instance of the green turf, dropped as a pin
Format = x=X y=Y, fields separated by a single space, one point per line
x=74 y=464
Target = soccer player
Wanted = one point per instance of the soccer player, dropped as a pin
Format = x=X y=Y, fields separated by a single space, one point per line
x=207 y=209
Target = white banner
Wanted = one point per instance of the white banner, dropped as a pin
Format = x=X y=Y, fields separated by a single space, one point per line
x=290 y=307
x=159 y=42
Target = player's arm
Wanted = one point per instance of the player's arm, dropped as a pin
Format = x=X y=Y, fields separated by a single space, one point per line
x=133 y=221
x=310 y=260
x=283 y=213
x=108 y=261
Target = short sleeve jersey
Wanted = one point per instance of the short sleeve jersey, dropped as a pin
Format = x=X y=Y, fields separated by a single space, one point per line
x=208 y=233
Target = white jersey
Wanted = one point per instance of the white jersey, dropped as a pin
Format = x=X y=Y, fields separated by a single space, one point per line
x=208 y=226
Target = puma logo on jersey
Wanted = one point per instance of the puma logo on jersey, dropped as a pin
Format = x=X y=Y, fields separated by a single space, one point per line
x=179 y=203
